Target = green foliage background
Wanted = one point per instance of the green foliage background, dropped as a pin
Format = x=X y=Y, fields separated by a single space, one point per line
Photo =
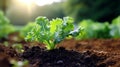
x=5 y=26
x=100 y=10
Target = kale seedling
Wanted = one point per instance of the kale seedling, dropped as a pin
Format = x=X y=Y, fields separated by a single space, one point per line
x=18 y=47
x=52 y=32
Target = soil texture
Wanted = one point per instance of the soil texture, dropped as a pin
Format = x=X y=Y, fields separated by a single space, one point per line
x=61 y=57
x=69 y=53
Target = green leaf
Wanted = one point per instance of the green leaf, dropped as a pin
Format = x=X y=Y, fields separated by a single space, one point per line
x=55 y=24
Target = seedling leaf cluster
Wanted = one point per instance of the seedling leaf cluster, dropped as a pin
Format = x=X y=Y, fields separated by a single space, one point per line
x=52 y=32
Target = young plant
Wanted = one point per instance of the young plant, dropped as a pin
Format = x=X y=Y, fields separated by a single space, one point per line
x=6 y=43
x=52 y=32
x=5 y=26
x=18 y=47
x=15 y=63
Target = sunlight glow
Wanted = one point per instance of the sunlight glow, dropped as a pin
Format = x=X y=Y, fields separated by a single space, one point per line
x=38 y=2
x=30 y=4
x=45 y=2
x=27 y=2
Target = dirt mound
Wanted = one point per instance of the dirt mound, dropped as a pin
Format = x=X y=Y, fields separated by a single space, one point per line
x=39 y=57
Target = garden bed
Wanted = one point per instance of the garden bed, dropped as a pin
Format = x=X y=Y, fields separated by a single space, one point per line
x=69 y=53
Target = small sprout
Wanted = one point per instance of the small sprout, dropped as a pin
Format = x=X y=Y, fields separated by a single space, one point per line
x=52 y=32
x=6 y=43
x=19 y=63
x=18 y=48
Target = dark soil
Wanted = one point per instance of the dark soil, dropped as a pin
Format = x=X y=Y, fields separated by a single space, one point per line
x=8 y=51
x=39 y=57
x=4 y=62
x=6 y=54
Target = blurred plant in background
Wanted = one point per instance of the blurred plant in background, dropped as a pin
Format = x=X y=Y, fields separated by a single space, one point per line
x=94 y=29
x=5 y=26
x=27 y=28
x=115 y=28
